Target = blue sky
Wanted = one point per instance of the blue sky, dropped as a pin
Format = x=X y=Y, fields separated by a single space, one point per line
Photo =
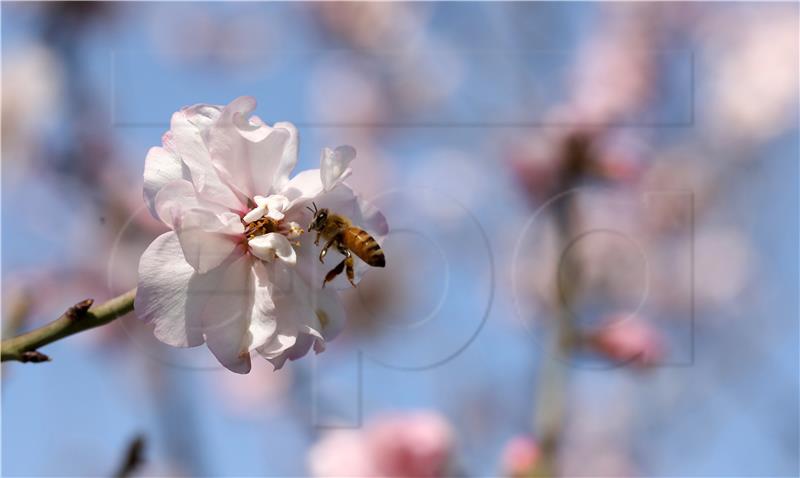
x=73 y=416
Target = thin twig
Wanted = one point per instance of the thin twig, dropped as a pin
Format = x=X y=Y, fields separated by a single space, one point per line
x=81 y=316
x=134 y=457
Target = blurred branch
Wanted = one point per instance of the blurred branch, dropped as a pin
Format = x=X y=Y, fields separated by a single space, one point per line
x=550 y=413
x=134 y=457
x=81 y=316
x=552 y=401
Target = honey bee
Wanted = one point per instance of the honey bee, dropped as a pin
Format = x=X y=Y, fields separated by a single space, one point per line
x=339 y=232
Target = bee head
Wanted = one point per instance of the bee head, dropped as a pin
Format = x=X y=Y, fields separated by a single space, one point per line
x=320 y=216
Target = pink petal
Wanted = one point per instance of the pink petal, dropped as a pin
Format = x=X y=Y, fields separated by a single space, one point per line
x=174 y=198
x=305 y=318
x=222 y=301
x=302 y=188
x=269 y=247
x=248 y=152
x=207 y=239
x=275 y=349
x=160 y=168
x=267 y=159
x=162 y=293
x=255 y=214
x=194 y=153
x=289 y=158
x=329 y=315
x=333 y=165
x=179 y=196
x=300 y=348
x=263 y=322
x=202 y=116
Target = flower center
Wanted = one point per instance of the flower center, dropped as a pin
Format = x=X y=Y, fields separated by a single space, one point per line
x=267 y=215
x=262 y=226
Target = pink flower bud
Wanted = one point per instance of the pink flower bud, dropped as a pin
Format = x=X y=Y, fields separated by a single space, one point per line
x=629 y=339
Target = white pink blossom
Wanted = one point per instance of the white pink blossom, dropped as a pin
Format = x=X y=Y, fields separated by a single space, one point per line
x=236 y=272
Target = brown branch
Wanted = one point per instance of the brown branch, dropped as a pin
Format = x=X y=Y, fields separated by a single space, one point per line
x=81 y=316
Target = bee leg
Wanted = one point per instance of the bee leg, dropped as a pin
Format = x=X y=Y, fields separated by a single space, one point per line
x=316 y=239
x=333 y=273
x=324 y=250
x=348 y=264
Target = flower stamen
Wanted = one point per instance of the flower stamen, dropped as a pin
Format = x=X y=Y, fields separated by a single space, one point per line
x=262 y=226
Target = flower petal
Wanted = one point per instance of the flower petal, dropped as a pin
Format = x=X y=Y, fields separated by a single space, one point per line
x=269 y=246
x=277 y=202
x=329 y=314
x=179 y=196
x=247 y=151
x=174 y=198
x=263 y=321
x=222 y=301
x=206 y=238
x=160 y=168
x=306 y=317
x=202 y=116
x=275 y=350
x=162 y=293
x=255 y=214
x=333 y=165
x=267 y=159
x=302 y=188
x=289 y=157
x=276 y=205
x=273 y=214
x=299 y=350
x=190 y=145
x=373 y=219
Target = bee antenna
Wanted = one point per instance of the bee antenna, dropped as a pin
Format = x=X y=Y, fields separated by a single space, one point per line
x=309 y=208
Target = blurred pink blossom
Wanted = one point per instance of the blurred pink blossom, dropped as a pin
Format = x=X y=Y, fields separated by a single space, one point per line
x=752 y=58
x=625 y=338
x=616 y=69
x=725 y=264
x=415 y=444
x=373 y=25
x=32 y=83
x=520 y=456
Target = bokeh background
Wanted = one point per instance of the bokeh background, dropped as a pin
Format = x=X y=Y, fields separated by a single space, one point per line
x=593 y=269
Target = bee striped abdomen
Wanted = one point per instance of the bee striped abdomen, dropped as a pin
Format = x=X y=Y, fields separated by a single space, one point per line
x=364 y=246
